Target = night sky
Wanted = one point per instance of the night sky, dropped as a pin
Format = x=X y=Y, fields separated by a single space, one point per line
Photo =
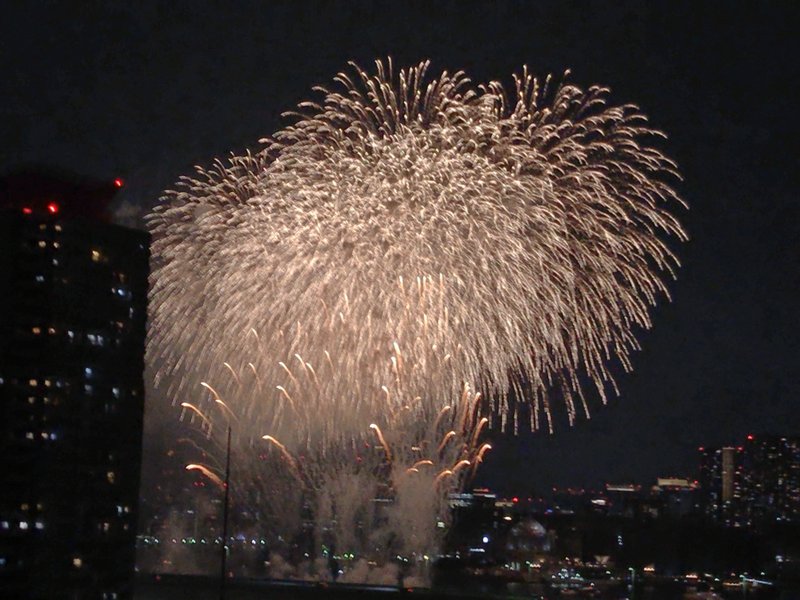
x=145 y=90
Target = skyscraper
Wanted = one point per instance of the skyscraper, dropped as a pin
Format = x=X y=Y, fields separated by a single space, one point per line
x=72 y=330
x=722 y=482
x=773 y=477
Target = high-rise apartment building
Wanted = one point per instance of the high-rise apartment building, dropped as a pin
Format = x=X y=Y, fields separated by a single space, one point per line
x=773 y=477
x=752 y=484
x=722 y=481
x=72 y=332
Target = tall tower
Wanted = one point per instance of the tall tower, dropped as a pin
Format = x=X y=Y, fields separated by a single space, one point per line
x=728 y=473
x=72 y=330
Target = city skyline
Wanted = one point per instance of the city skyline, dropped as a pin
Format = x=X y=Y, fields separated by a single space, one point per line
x=722 y=359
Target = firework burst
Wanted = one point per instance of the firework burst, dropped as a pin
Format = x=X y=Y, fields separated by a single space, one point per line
x=339 y=296
x=423 y=232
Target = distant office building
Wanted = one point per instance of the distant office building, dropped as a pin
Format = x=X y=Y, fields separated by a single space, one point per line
x=72 y=332
x=625 y=499
x=677 y=495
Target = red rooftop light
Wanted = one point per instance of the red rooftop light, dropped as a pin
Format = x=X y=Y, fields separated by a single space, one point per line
x=515 y=499
x=52 y=208
x=750 y=437
x=118 y=182
x=27 y=210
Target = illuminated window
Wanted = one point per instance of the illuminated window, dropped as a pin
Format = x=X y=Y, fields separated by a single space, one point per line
x=58 y=228
x=31 y=399
x=88 y=371
x=39 y=525
x=77 y=562
x=33 y=382
x=56 y=245
x=51 y=330
x=47 y=383
x=55 y=262
x=23 y=525
x=115 y=391
x=111 y=477
x=71 y=335
x=42 y=226
x=40 y=279
x=88 y=389
x=24 y=506
x=36 y=330
x=4 y=525
x=96 y=256
x=95 y=339
x=42 y=243
x=29 y=435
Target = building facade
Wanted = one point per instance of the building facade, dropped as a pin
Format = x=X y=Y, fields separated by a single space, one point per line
x=72 y=333
x=754 y=484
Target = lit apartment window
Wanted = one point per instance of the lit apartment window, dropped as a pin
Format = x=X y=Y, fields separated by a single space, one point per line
x=111 y=476
x=96 y=256
x=57 y=227
x=36 y=330
x=42 y=243
x=33 y=382
x=40 y=279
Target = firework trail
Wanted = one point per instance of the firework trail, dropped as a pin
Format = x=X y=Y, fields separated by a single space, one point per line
x=407 y=239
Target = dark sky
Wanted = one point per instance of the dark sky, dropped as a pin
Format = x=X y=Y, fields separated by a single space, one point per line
x=144 y=90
